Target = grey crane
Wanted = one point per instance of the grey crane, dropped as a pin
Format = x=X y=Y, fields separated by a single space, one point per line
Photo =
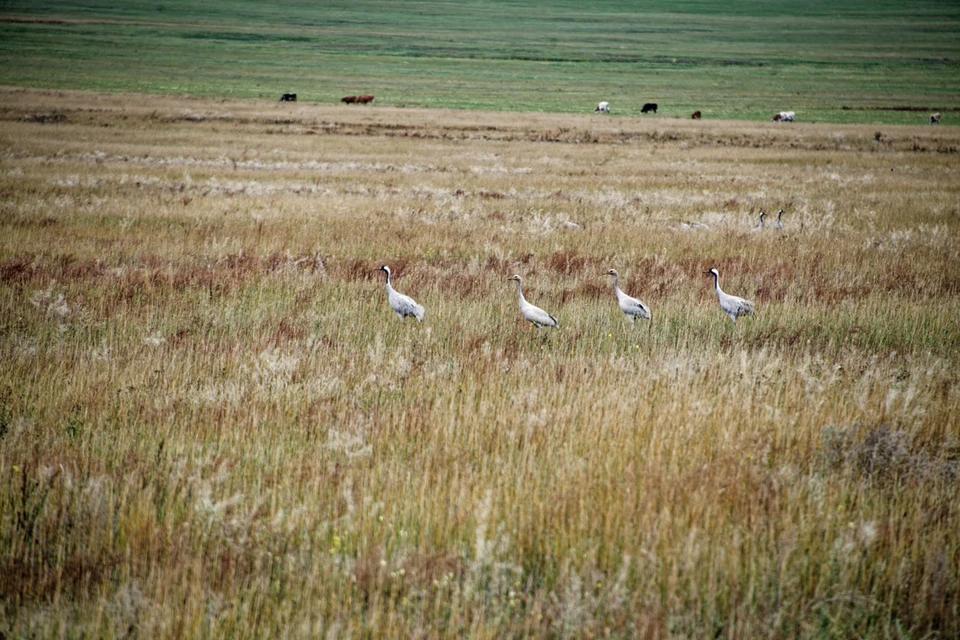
x=759 y=227
x=535 y=315
x=731 y=305
x=403 y=305
x=779 y=223
x=630 y=306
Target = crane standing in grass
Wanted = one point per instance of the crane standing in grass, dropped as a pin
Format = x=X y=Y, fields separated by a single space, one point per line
x=403 y=305
x=779 y=223
x=731 y=305
x=630 y=306
x=535 y=315
x=759 y=227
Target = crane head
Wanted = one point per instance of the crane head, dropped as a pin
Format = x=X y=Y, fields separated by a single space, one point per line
x=514 y=277
x=612 y=272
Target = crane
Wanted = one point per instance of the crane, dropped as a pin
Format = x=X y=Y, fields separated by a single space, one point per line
x=534 y=314
x=759 y=227
x=733 y=306
x=403 y=305
x=630 y=306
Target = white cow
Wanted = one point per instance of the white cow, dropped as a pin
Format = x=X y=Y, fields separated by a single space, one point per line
x=785 y=116
x=603 y=107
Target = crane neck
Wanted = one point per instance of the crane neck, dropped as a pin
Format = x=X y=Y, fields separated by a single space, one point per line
x=520 y=292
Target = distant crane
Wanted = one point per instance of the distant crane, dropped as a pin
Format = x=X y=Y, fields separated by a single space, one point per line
x=403 y=305
x=630 y=306
x=731 y=305
x=535 y=315
x=759 y=227
x=779 y=223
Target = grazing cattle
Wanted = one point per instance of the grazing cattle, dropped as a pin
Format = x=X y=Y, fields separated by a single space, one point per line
x=603 y=107
x=785 y=116
x=650 y=106
x=934 y=118
x=365 y=98
x=349 y=99
x=695 y=115
x=288 y=97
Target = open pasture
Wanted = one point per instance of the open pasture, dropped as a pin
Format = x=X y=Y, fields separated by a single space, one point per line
x=211 y=423
x=857 y=61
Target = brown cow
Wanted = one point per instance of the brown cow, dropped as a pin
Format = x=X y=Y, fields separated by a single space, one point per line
x=934 y=118
x=349 y=99
x=365 y=98
x=695 y=115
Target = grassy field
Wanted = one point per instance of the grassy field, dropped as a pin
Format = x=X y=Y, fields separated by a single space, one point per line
x=212 y=425
x=860 y=61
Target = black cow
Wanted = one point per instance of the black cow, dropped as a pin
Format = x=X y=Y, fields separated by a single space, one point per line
x=650 y=106
x=288 y=97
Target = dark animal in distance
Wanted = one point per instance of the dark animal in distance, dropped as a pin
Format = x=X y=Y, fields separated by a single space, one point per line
x=650 y=106
x=695 y=115
x=365 y=98
x=349 y=99
x=288 y=97
x=934 y=118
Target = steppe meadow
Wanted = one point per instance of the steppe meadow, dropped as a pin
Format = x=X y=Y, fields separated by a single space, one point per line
x=212 y=425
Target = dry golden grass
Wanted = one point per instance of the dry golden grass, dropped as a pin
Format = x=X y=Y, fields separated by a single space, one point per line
x=211 y=424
